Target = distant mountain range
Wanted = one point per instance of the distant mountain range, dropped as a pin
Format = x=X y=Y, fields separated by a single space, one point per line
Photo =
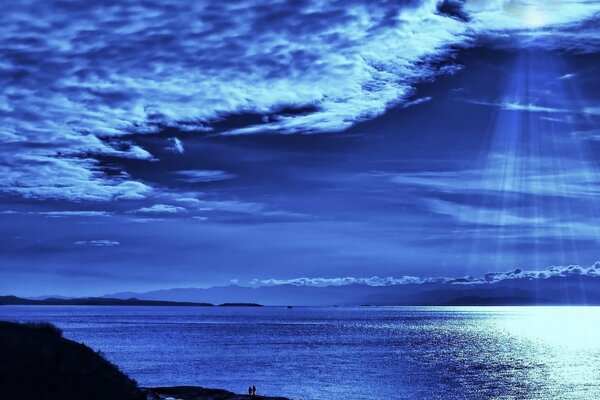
x=556 y=290
x=95 y=301
x=107 y=301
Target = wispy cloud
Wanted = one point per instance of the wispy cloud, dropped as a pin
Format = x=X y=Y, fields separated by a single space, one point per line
x=236 y=206
x=592 y=134
x=574 y=179
x=161 y=209
x=516 y=106
x=200 y=176
x=567 y=77
x=175 y=145
x=592 y=110
x=65 y=214
x=98 y=243
x=418 y=101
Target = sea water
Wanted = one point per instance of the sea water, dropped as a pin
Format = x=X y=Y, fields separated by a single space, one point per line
x=346 y=353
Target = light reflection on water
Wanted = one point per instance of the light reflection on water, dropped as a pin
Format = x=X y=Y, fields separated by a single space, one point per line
x=565 y=340
x=341 y=353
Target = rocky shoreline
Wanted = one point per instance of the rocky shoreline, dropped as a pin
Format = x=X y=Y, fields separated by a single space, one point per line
x=37 y=362
x=199 y=393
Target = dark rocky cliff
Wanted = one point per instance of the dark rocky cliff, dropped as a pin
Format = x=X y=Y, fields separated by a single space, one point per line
x=37 y=363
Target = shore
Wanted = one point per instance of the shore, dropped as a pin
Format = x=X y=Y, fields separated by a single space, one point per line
x=199 y=393
x=39 y=363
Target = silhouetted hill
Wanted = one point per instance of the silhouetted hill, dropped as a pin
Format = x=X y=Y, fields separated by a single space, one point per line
x=37 y=363
x=95 y=301
x=556 y=290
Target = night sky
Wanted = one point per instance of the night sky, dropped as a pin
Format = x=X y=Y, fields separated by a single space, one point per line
x=158 y=144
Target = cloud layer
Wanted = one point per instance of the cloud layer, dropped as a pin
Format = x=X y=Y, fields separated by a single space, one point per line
x=76 y=77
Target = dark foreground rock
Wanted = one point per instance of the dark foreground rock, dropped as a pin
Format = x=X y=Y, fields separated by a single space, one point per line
x=37 y=363
x=199 y=393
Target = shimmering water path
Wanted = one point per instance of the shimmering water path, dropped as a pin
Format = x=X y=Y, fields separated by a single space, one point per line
x=347 y=353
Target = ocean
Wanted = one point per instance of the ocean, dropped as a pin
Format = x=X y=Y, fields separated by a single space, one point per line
x=346 y=353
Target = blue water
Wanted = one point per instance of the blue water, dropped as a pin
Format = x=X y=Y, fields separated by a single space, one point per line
x=347 y=353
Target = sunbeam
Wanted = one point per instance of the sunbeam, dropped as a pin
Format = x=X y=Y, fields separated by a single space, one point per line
x=536 y=177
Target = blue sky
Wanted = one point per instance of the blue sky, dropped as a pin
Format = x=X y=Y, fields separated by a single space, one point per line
x=170 y=144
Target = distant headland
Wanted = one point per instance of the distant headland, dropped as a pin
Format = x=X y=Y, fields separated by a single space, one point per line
x=567 y=286
x=515 y=288
x=102 y=301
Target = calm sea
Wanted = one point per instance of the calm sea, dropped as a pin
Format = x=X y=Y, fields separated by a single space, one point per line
x=347 y=353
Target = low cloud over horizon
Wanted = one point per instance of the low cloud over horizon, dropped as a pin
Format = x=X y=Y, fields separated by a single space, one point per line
x=490 y=277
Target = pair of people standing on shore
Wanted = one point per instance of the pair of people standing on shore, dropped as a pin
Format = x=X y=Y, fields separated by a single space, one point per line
x=252 y=390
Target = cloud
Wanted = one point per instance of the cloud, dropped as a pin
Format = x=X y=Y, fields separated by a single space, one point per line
x=320 y=282
x=592 y=110
x=485 y=216
x=593 y=134
x=567 y=77
x=548 y=25
x=62 y=214
x=77 y=78
x=574 y=180
x=161 y=209
x=146 y=220
x=516 y=106
x=509 y=105
x=236 y=206
x=44 y=177
x=577 y=30
x=491 y=277
x=98 y=243
x=530 y=108
x=550 y=272
x=175 y=145
x=418 y=101
x=509 y=196
x=201 y=176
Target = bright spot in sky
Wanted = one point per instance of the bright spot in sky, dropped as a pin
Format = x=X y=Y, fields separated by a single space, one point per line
x=533 y=17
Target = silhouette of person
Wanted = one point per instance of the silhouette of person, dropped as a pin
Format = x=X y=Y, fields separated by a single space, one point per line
x=249 y=390
x=253 y=390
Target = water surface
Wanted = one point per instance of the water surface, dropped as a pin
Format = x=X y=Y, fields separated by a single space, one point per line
x=343 y=353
